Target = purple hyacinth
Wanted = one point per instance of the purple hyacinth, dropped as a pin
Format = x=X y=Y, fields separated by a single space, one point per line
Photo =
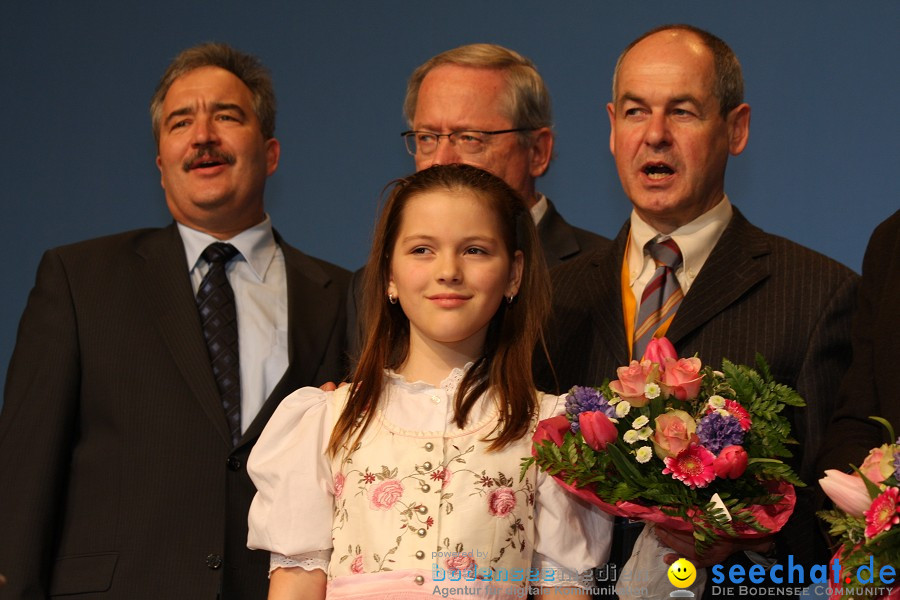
x=897 y=463
x=586 y=399
x=718 y=431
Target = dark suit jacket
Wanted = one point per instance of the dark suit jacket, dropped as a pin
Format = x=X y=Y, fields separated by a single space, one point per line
x=559 y=240
x=756 y=293
x=870 y=386
x=117 y=475
x=562 y=242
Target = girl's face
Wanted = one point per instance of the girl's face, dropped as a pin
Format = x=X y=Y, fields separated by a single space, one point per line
x=450 y=268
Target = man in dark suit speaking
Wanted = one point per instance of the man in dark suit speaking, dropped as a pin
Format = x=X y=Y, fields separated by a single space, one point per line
x=688 y=265
x=147 y=364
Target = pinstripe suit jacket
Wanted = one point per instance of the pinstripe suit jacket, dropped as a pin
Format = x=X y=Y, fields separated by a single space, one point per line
x=870 y=386
x=756 y=293
x=117 y=475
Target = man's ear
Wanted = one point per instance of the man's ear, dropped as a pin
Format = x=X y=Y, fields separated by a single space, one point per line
x=611 y=112
x=738 y=123
x=273 y=153
x=541 y=151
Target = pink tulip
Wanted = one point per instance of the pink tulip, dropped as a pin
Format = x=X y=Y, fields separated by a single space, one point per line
x=848 y=492
x=731 y=462
x=659 y=349
x=597 y=429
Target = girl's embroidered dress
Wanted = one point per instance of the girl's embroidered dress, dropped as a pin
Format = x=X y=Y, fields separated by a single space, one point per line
x=421 y=504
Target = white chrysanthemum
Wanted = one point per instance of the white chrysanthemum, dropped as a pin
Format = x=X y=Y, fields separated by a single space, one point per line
x=723 y=413
x=717 y=401
x=645 y=433
x=631 y=436
x=614 y=400
x=623 y=408
x=640 y=422
x=644 y=454
x=719 y=374
x=651 y=391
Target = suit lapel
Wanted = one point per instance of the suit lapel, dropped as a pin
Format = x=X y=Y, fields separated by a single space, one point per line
x=606 y=291
x=556 y=237
x=165 y=281
x=730 y=271
x=304 y=281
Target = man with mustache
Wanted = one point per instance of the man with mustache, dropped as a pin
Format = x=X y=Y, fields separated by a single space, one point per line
x=689 y=266
x=148 y=362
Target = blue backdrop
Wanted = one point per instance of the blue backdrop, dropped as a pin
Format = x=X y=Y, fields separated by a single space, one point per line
x=77 y=153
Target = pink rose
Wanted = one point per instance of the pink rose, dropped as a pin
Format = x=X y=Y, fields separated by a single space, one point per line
x=673 y=433
x=659 y=349
x=462 y=563
x=386 y=494
x=357 y=565
x=848 y=492
x=632 y=379
x=731 y=462
x=681 y=378
x=879 y=464
x=501 y=501
x=339 y=485
x=597 y=429
x=552 y=429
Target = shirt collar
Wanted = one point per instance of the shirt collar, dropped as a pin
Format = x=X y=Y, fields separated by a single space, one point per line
x=256 y=245
x=539 y=209
x=695 y=239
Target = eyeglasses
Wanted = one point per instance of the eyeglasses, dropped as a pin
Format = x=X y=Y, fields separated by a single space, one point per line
x=424 y=143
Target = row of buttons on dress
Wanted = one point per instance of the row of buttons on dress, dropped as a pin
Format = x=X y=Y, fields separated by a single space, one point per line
x=423 y=510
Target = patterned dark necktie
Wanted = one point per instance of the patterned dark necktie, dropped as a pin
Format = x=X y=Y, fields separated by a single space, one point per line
x=215 y=301
x=661 y=297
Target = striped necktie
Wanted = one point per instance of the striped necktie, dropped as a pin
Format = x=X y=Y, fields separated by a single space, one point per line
x=218 y=315
x=662 y=295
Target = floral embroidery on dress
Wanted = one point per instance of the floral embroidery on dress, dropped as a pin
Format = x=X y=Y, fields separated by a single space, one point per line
x=386 y=494
x=357 y=565
x=399 y=489
x=461 y=564
x=501 y=501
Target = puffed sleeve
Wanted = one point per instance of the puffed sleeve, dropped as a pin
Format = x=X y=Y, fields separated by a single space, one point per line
x=291 y=513
x=569 y=532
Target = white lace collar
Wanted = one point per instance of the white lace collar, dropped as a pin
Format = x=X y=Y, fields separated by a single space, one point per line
x=449 y=384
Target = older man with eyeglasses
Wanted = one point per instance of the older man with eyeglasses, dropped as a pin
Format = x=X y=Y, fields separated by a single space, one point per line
x=487 y=106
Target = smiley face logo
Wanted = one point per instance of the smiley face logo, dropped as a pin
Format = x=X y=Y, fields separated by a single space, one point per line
x=682 y=573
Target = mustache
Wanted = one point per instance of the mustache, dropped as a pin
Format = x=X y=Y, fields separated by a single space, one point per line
x=208 y=153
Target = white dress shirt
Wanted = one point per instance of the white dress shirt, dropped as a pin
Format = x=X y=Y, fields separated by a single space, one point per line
x=259 y=280
x=695 y=239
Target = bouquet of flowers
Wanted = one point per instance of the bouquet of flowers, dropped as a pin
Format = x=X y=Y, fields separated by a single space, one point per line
x=674 y=442
x=866 y=517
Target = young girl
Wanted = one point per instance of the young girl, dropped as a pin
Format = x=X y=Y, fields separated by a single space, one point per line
x=406 y=484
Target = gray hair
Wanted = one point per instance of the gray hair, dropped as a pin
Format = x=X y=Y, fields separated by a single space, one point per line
x=245 y=67
x=527 y=102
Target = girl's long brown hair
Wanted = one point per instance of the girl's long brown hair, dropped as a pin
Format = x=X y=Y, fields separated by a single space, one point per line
x=504 y=367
